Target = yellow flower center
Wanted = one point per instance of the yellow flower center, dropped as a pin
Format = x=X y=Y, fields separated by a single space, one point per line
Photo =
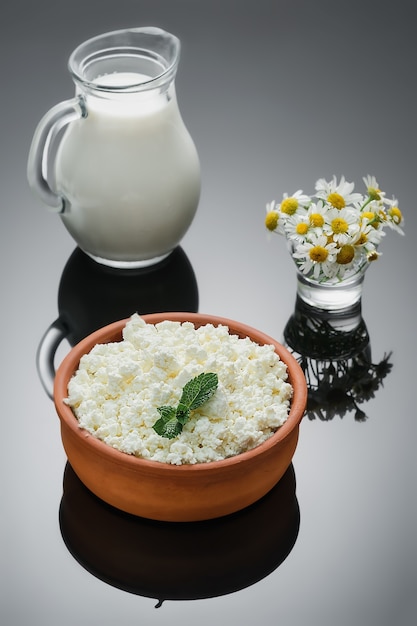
x=396 y=214
x=316 y=220
x=339 y=225
x=271 y=220
x=374 y=194
x=336 y=200
x=373 y=256
x=363 y=238
x=289 y=206
x=301 y=228
x=345 y=254
x=318 y=254
x=370 y=215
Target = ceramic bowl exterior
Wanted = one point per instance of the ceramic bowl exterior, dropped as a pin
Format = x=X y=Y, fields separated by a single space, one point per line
x=178 y=493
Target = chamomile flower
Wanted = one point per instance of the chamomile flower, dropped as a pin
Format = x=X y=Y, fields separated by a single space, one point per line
x=345 y=255
x=395 y=218
x=297 y=227
x=335 y=232
x=272 y=219
x=372 y=188
x=316 y=214
x=373 y=255
x=338 y=195
x=368 y=238
x=290 y=204
x=345 y=263
x=316 y=256
x=373 y=214
x=341 y=225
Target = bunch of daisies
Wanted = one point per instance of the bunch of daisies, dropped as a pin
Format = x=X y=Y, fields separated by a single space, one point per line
x=336 y=232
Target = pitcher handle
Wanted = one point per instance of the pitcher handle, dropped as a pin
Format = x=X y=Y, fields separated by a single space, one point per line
x=45 y=354
x=40 y=169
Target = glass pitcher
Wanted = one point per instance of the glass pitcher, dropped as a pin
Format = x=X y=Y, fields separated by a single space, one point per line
x=116 y=161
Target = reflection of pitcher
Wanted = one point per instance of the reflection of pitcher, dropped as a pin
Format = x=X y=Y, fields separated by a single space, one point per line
x=91 y=295
x=125 y=174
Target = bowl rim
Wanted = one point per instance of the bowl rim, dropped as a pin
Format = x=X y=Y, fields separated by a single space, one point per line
x=104 y=334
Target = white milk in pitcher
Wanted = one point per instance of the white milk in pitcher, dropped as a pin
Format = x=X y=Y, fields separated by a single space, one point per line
x=129 y=172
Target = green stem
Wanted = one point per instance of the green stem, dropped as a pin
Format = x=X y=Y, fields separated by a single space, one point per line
x=366 y=203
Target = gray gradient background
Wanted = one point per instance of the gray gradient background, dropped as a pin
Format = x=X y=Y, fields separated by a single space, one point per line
x=275 y=94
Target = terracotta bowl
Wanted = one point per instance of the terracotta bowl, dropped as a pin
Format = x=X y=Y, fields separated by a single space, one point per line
x=178 y=493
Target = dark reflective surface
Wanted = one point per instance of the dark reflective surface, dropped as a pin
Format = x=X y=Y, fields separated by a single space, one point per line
x=275 y=95
x=179 y=561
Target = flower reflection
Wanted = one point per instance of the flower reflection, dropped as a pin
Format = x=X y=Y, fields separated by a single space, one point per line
x=334 y=352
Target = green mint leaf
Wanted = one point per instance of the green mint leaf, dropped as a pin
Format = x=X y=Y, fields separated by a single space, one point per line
x=198 y=390
x=169 y=430
x=195 y=393
x=167 y=413
x=167 y=426
x=182 y=413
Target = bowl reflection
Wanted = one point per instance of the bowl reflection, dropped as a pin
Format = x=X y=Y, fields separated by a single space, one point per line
x=179 y=561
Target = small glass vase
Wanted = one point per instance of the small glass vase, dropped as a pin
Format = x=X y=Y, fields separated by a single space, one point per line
x=331 y=296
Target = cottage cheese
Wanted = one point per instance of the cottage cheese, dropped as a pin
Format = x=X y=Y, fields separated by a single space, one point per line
x=116 y=391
